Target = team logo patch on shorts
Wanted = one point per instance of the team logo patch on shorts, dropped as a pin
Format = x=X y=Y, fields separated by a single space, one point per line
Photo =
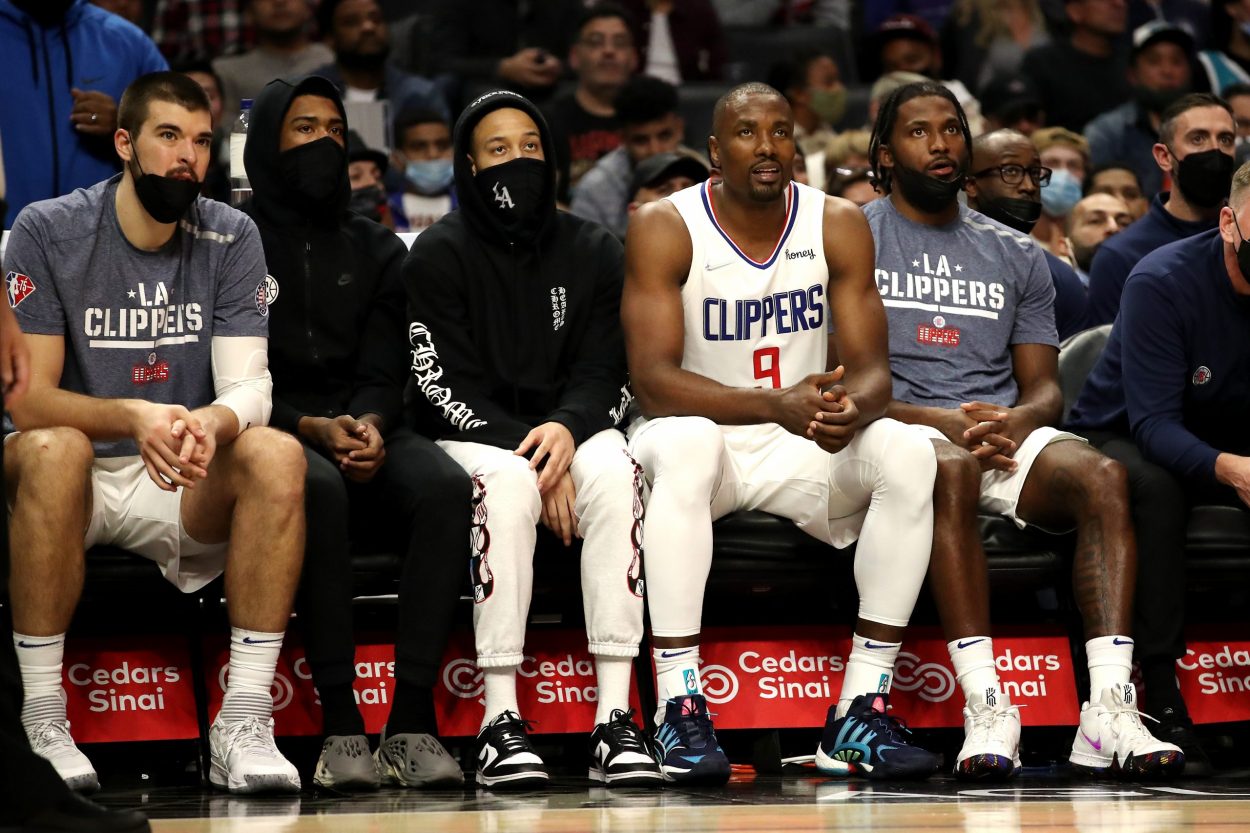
x=20 y=287
x=1202 y=375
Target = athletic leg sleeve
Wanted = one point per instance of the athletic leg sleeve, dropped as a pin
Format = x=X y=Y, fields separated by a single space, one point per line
x=609 y=512
x=683 y=459
x=506 y=508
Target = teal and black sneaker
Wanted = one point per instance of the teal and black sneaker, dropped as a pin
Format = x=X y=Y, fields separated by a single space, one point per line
x=871 y=743
x=686 y=744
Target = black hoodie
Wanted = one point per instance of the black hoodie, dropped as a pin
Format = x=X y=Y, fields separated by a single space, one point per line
x=506 y=333
x=336 y=324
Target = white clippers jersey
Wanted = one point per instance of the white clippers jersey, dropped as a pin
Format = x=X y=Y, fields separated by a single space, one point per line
x=749 y=324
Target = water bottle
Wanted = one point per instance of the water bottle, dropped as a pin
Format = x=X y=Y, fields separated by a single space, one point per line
x=240 y=188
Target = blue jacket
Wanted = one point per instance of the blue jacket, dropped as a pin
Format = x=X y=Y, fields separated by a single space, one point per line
x=1176 y=370
x=1119 y=253
x=44 y=156
x=1070 y=297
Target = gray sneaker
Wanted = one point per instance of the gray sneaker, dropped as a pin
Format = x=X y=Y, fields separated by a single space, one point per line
x=345 y=764
x=413 y=760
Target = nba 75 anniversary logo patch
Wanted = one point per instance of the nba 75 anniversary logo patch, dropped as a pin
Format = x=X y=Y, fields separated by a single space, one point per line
x=20 y=287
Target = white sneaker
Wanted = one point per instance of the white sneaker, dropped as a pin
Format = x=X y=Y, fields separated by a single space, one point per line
x=51 y=740
x=991 y=750
x=1111 y=739
x=245 y=758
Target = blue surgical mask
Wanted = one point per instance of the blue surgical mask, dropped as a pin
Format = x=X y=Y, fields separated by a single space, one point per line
x=1062 y=194
x=430 y=177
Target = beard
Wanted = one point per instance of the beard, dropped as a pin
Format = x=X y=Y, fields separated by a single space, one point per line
x=928 y=193
x=364 y=61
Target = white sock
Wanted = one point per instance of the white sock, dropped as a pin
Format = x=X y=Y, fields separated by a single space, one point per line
x=676 y=675
x=613 y=675
x=40 y=659
x=869 y=668
x=500 y=692
x=253 y=661
x=973 y=658
x=1110 y=663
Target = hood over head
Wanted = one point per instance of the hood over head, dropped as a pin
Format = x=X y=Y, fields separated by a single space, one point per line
x=479 y=215
x=272 y=193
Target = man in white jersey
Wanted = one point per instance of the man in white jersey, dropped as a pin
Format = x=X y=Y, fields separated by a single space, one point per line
x=145 y=310
x=973 y=351
x=727 y=290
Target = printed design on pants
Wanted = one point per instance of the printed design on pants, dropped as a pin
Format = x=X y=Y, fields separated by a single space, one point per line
x=479 y=546
x=634 y=578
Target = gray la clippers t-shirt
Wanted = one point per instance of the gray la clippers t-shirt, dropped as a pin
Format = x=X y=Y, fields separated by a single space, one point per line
x=138 y=325
x=957 y=298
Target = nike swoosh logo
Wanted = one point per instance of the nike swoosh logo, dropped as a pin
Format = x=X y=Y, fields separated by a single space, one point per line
x=709 y=267
x=23 y=644
x=962 y=645
x=344 y=280
x=247 y=640
x=1118 y=641
x=667 y=655
x=1097 y=744
x=872 y=647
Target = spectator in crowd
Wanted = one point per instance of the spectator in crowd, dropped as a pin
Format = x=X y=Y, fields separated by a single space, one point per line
x=849 y=149
x=1238 y=98
x=217 y=180
x=36 y=799
x=728 y=424
x=201 y=30
x=283 y=49
x=906 y=43
x=650 y=124
x=583 y=121
x=664 y=175
x=1195 y=150
x=519 y=369
x=357 y=33
x=1011 y=101
x=1160 y=74
x=933 y=12
x=423 y=153
x=1191 y=16
x=190 y=477
x=985 y=390
x=1082 y=75
x=854 y=184
x=886 y=84
x=339 y=362
x=1119 y=180
x=131 y=10
x=681 y=41
x=1005 y=184
x=1168 y=400
x=366 y=175
x=1066 y=154
x=813 y=85
x=1227 y=60
x=65 y=65
x=983 y=40
x=1092 y=221
x=489 y=43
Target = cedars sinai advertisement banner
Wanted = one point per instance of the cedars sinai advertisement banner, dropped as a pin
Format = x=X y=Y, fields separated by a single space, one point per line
x=129 y=689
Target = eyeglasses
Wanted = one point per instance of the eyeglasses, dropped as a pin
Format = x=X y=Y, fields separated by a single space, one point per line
x=1014 y=174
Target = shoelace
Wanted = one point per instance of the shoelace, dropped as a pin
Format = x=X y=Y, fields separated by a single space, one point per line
x=894 y=728
x=251 y=735
x=511 y=732
x=1136 y=729
x=627 y=733
x=52 y=732
x=986 y=718
x=696 y=730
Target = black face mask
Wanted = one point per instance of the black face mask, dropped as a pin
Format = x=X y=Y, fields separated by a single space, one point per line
x=1156 y=101
x=368 y=202
x=928 y=194
x=1204 y=178
x=1243 y=251
x=165 y=199
x=1018 y=214
x=514 y=193
x=313 y=174
x=45 y=12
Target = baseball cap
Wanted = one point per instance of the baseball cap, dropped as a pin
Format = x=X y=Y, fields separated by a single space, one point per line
x=1157 y=31
x=906 y=26
x=358 y=151
x=1007 y=95
x=655 y=169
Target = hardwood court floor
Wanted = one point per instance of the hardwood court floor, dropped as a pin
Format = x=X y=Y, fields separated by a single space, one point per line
x=1036 y=803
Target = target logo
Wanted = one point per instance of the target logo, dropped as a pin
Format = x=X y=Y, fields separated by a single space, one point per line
x=720 y=684
x=464 y=679
x=932 y=681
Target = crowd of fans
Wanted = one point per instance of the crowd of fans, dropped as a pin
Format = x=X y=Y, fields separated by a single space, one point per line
x=1094 y=133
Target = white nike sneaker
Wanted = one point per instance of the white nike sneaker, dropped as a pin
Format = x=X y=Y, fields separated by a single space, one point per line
x=51 y=740
x=1111 y=739
x=245 y=758
x=991 y=750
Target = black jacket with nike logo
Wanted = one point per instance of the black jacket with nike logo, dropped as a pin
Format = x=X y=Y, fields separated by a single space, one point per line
x=508 y=333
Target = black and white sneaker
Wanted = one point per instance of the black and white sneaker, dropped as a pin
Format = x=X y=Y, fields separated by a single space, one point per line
x=621 y=755
x=505 y=757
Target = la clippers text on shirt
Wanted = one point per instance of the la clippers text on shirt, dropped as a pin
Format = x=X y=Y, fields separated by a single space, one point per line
x=935 y=286
x=149 y=320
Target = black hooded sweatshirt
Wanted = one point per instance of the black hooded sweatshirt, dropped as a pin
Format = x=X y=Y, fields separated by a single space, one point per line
x=509 y=332
x=337 y=342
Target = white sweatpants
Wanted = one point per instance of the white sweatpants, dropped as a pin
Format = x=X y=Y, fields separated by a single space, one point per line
x=878 y=489
x=506 y=511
